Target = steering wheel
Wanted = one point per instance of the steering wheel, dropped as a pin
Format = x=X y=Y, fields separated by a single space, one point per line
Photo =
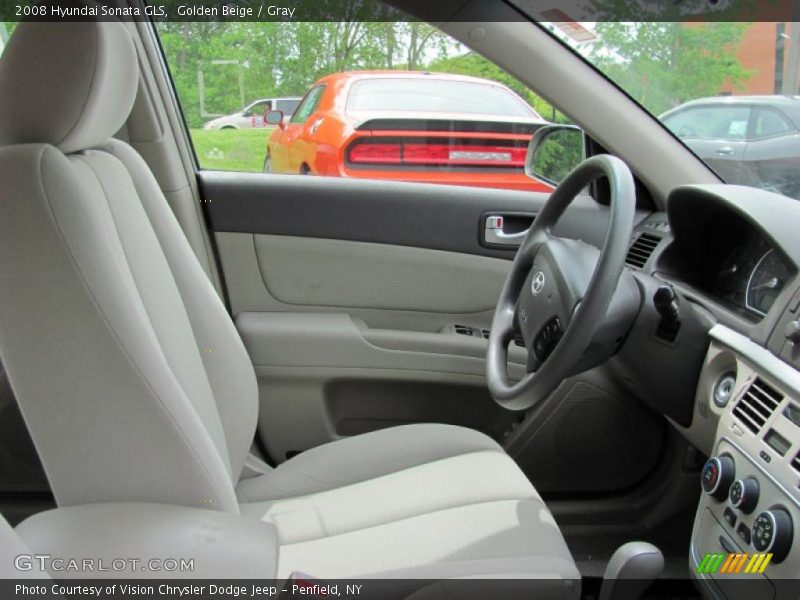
x=559 y=290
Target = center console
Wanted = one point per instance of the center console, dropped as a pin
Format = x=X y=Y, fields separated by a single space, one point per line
x=746 y=536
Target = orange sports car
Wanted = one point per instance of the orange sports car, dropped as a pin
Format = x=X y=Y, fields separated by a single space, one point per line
x=410 y=126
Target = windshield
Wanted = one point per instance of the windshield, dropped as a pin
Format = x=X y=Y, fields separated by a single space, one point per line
x=434 y=95
x=727 y=89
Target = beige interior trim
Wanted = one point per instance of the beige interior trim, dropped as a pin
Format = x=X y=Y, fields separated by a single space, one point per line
x=386 y=286
x=320 y=272
x=157 y=131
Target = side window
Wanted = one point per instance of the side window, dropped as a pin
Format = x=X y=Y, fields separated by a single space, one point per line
x=770 y=123
x=5 y=32
x=308 y=105
x=404 y=102
x=734 y=123
x=685 y=123
x=258 y=109
x=287 y=105
x=710 y=122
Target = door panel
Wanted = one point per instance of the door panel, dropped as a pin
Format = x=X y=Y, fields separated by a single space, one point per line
x=277 y=150
x=311 y=271
x=307 y=407
x=364 y=304
x=256 y=283
x=308 y=363
x=337 y=340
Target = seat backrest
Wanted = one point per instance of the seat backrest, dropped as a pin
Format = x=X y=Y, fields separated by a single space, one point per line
x=129 y=372
x=16 y=559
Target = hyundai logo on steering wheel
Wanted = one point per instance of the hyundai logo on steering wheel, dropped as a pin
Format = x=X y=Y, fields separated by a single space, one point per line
x=537 y=282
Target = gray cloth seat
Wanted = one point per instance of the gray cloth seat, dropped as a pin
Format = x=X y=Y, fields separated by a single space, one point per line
x=11 y=547
x=136 y=386
x=424 y=501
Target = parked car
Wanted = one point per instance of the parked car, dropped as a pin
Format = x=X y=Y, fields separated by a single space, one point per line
x=410 y=126
x=749 y=140
x=253 y=114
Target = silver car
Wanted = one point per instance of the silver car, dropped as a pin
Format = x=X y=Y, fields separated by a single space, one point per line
x=253 y=114
x=749 y=140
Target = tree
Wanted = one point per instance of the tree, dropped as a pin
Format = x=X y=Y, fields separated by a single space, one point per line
x=6 y=29
x=420 y=38
x=663 y=64
x=284 y=59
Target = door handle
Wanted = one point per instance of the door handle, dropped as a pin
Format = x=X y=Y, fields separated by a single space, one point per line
x=494 y=234
x=725 y=151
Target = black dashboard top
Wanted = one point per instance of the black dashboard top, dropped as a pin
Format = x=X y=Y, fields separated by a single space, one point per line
x=737 y=244
x=691 y=207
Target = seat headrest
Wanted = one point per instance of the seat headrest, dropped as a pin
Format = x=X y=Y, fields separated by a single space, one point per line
x=69 y=84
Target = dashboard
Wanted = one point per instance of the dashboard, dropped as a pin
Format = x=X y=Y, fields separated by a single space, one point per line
x=716 y=349
x=741 y=267
x=737 y=252
x=751 y=482
x=733 y=256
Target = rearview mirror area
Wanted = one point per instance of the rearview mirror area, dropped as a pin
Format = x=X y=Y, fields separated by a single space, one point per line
x=553 y=152
x=274 y=117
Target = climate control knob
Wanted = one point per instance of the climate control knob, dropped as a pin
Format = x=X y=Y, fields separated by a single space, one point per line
x=744 y=494
x=717 y=476
x=773 y=532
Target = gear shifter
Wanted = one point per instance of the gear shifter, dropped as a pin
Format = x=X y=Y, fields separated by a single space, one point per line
x=632 y=568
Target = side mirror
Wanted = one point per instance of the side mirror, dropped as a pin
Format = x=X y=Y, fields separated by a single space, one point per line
x=274 y=117
x=553 y=152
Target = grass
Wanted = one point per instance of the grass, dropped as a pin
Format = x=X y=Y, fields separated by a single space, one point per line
x=231 y=149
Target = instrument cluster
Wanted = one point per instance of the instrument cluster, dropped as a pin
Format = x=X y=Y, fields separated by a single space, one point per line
x=743 y=268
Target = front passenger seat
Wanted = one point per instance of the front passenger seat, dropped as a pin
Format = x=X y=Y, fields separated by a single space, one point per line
x=137 y=388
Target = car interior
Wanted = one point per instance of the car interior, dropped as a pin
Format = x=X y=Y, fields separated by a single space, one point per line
x=363 y=379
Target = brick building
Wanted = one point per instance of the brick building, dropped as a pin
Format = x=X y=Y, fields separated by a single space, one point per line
x=764 y=51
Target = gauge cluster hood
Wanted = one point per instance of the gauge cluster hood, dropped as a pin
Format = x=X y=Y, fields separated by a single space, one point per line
x=691 y=208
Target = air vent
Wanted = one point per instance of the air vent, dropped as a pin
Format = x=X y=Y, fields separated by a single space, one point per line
x=463 y=329
x=796 y=463
x=641 y=249
x=757 y=405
